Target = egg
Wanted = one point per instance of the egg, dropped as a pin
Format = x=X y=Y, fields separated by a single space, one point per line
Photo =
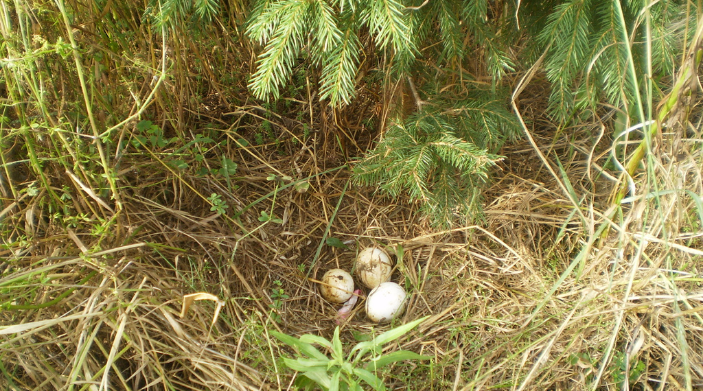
x=385 y=302
x=373 y=266
x=337 y=286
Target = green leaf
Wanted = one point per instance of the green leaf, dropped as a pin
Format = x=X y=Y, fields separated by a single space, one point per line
x=400 y=355
x=242 y=142
x=378 y=342
x=348 y=368
x=307 y=363
x=319 y=376
x=370 y=378
x=304 y=348
x=310 y=338
x=304 y=364
x=302 y=187
x=334 y=383
x=179 y=164
x=334 y=242
x=337 y=352
x=304 y=383
x=392 y=335
x=228 y=167
x=361 y=337
x=142 y=126
x=387 y=22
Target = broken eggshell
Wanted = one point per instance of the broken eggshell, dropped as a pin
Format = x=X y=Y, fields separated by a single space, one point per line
x=385 y=302
x=337 y=286
x=373 y=266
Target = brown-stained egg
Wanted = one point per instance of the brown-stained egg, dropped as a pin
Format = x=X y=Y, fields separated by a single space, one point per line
x=337 y=286
x=373 y=266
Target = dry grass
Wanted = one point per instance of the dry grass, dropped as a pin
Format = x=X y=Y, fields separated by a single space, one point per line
x=502 y=315
x=535 y=297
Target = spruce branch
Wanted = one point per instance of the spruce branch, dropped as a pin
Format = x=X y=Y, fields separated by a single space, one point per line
x=263 y=21
x=206 y=9
x=276 y=62
x=325 y=32
x=486 y=36
x=386 y=22
x=339 y=72
x=426 y=160
x=568 y=30
x=450 y=30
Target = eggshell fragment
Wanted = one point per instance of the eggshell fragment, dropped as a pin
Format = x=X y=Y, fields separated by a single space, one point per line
x=373 y=266
x=337 y=286
x=385 y=302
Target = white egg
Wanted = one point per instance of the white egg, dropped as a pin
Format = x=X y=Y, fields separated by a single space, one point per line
x=337 y=286
x=373 y=266
x=385 y=302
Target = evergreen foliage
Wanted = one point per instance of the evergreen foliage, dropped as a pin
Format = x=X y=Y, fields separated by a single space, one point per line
x=173 y=13
x=426 y=158
x=591 y=56
x=440 y=155
x=595 y=52
x=329 y=36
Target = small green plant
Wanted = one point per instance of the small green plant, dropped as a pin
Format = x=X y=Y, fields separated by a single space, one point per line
x=229 y=167
x=218 y=205
x=277 y=297
x=32 y=190
x=269 y=217
x=151 y=133
x=338 y=372
x=626 y=370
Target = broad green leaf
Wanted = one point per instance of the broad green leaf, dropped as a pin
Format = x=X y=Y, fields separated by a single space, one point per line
x=319 y=376
x=143 y=125
x=370 y=378
x=334 y=242
x=361 y=337
x=310 y=338
x=305 y=348
x=312 y=362
x=390 y=358
x=305 y=364
x=229 y=167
